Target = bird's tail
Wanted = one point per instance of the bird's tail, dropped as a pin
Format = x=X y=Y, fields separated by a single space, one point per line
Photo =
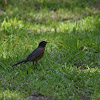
x=23 y=61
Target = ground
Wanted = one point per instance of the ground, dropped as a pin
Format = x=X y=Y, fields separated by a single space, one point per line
x=70 y=68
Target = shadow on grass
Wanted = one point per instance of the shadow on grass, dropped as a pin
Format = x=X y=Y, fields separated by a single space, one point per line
x=30 y=10
x=52 y=5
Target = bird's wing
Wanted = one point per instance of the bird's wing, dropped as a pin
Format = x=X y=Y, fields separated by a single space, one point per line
x=37 y=52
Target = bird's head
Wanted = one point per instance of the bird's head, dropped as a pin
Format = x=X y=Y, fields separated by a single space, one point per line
x=43 y=44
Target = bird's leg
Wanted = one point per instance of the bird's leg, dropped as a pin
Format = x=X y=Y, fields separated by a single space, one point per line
x=36 y=63
x=33 y=65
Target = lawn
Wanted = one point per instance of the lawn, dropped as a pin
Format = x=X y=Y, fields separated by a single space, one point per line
x=70 y=68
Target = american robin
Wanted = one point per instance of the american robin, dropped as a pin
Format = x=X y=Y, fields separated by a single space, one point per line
x=36 y=55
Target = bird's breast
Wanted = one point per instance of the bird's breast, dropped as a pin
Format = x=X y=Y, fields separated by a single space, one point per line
x=43 y=49
x=39 y=57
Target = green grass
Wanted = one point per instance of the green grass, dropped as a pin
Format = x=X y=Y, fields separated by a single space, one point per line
x=70 y=68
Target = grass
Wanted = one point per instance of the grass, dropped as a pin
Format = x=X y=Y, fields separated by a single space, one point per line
x=70 y=68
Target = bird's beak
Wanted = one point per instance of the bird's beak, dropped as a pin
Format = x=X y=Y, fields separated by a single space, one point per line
x=47 y=42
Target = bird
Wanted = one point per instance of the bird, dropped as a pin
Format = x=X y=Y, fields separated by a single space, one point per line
x=36 y=55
